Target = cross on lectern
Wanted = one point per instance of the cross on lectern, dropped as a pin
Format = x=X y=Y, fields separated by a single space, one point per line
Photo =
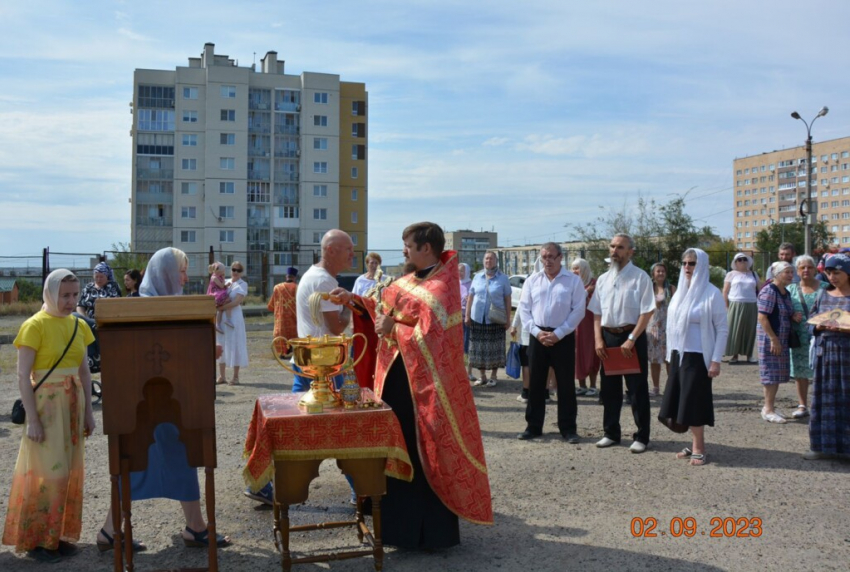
x=157 y=355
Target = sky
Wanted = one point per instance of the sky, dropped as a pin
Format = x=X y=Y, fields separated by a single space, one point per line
x=519 y=117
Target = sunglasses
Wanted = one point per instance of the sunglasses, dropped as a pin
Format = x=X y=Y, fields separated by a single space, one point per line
x=236 y=270
x=689 y=263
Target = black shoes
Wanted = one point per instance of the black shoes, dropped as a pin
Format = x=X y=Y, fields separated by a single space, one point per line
x=571 y=438
x=527 y=435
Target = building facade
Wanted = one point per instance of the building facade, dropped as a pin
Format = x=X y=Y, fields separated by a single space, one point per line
x=255 y=163
x=471 y=246
x=770 y=187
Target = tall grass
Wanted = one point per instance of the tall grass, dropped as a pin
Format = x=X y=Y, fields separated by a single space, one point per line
x=20 y=308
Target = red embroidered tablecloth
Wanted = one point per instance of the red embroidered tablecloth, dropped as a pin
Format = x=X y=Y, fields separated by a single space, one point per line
x=279 y=430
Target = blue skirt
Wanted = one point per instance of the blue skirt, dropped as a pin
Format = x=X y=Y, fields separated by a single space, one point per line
x=168 y=474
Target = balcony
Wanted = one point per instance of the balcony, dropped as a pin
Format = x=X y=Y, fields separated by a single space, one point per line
x=286 y=129
x=259 y=105
x=258 y=175
x=259 y=128
x=286 y=153
x=144 y=174
x=258 y=152
x=287 y=106
x=281 y=176
x=258 y=222
x=153 y=221
x=148 y=198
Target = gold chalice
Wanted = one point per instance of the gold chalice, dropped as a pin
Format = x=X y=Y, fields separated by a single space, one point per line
x=320 y=359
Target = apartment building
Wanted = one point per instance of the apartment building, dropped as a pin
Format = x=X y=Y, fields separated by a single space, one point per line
x=471 y=245
x=251 y=161
x=770 y=187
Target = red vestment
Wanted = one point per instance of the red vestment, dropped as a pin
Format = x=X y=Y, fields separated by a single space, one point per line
x=282 y=303
x=428 y=336
x=365 y=369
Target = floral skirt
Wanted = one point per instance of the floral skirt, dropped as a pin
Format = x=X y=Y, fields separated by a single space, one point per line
x=486 y=345
x=46 y=497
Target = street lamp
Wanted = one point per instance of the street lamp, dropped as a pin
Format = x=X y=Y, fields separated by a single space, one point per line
x=808 y=213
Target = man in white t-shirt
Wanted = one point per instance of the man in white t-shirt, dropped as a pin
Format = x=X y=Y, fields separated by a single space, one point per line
x=337 y=255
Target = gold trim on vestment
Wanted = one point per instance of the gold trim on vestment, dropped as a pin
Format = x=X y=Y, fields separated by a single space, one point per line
x=425 y=296
x=444 y=400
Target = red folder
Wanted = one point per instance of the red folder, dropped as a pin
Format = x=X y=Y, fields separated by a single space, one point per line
x=618 y=364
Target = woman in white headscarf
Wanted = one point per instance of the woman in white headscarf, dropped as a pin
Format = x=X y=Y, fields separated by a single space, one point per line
x=168 y=474
x=696 y=337
x=587 y=362
x=465 y=281
x=740 y=290
x=45 y=509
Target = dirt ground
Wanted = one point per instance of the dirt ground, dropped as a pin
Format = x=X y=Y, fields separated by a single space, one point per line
x=557 y=506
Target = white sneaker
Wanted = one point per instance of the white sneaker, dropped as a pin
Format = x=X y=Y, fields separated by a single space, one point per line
x=479 y=382
x=637 y=447
x=772 y=417
x=800 y=412
x=490 y=383
x=605 y=442
x=521 y=398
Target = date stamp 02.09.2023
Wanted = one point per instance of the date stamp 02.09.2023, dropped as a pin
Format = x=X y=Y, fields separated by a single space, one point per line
x=719 y=527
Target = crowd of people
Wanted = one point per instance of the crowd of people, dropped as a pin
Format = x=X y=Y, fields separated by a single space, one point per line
x=431 y=328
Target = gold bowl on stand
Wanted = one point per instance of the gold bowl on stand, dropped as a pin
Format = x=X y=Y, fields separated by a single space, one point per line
x=320 y=359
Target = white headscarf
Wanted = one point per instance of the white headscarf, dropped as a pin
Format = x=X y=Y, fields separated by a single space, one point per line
x=688 y=293
x=464 y=273
x=779 y=267
x=162 y=277
x=51 y=291
x=585 y=273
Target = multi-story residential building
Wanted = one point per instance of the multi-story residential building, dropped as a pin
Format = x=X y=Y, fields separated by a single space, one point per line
x=471 y=245
x=770 y=187
x=252 y=162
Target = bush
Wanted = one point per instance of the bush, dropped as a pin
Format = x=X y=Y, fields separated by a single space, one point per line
x=20 y=308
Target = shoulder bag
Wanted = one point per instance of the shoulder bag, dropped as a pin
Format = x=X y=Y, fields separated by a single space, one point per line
x=19 y=414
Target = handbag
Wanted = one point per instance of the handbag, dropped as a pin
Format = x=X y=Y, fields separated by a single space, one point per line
x=512 y=364
x=497 y=315
x=19 y=414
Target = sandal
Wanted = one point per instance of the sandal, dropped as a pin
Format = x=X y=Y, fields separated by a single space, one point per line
x=220 y=381
x=110 y=543
x=698 y=460
x=685 y=454
x=234 y=381
x=202 y=539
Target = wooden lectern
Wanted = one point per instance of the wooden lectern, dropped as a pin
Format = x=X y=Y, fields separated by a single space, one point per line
x=158 y=366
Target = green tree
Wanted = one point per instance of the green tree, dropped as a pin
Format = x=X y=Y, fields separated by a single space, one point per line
x=28 y=291
x=124 y=259
x=769 y=239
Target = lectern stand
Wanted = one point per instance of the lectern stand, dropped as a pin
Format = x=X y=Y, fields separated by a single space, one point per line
x=158 y=366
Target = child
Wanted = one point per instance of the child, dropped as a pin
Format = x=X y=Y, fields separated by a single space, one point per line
x=218 y=290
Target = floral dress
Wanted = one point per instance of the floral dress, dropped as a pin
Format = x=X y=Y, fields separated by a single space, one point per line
x=777 y=306
x=800 y=368
x=656 y=331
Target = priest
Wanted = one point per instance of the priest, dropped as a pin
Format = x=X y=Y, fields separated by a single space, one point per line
x=421 y=375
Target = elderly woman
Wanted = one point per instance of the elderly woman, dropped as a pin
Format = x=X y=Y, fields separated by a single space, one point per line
x=803 y=296
x=656 y=331
x=587 y=362
x=45 y=509
x=740 y=290
x=696 y=337
x=234 y=340
x=168 y=474
x=488 y=315
x=103 y=285
x=829 y=425
x=465 y=283
x=775 y=315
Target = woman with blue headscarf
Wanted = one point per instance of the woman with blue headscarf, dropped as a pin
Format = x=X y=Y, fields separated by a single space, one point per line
x=103 y=285
x=168 y=474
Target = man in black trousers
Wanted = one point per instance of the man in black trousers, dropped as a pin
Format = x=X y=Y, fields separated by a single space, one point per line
x=551 y=307
x=622 y=304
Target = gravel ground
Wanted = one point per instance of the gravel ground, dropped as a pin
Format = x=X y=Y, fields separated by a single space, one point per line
x=556 y=505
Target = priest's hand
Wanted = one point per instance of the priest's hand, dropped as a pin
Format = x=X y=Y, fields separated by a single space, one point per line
x=383 y=324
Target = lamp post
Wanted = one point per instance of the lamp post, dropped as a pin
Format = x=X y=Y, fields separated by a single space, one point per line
x=808 y=214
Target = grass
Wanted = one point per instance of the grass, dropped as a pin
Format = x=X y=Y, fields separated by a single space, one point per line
x=20 y=309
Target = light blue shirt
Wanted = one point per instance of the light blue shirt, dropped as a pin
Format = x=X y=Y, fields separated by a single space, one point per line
x=487 y=292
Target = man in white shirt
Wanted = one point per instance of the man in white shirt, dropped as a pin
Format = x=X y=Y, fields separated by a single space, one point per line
x=622 y=304
x=551 y=307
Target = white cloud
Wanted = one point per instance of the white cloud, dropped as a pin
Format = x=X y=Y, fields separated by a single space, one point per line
x=495 y=141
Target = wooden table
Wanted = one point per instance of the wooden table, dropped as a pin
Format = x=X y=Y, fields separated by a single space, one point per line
x=288 y=445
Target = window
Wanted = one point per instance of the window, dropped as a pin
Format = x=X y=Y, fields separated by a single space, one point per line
x=354 y=195
x=317 y=237
x=187 y=236
x=225 y=236
x=190 y=116
x=188 y=188
x=358 y=130
x=845 y=154
x=353 y=217
x=358 y=152
x=834 y=156
x=320 y=120
x=190 y=140
x=227 y=187
x=746 y=171
x=320 y=97
x=187 y=212
x=228 y=91
x=287 y=212
x=320 y=167
x=190 y=93
x=189 y=164
x=320 y=214
x=228 y=115
x=355 y=171
x=354 y=238
x=320 y=190
x=227 y=163
x=225 y=212
x=359 y=108
x=155 y=119
x=738 y=172
x=320 y=143
x=227 y=139
x=156 y=96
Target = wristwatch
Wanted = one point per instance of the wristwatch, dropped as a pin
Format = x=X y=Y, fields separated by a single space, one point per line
x=631 y=337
